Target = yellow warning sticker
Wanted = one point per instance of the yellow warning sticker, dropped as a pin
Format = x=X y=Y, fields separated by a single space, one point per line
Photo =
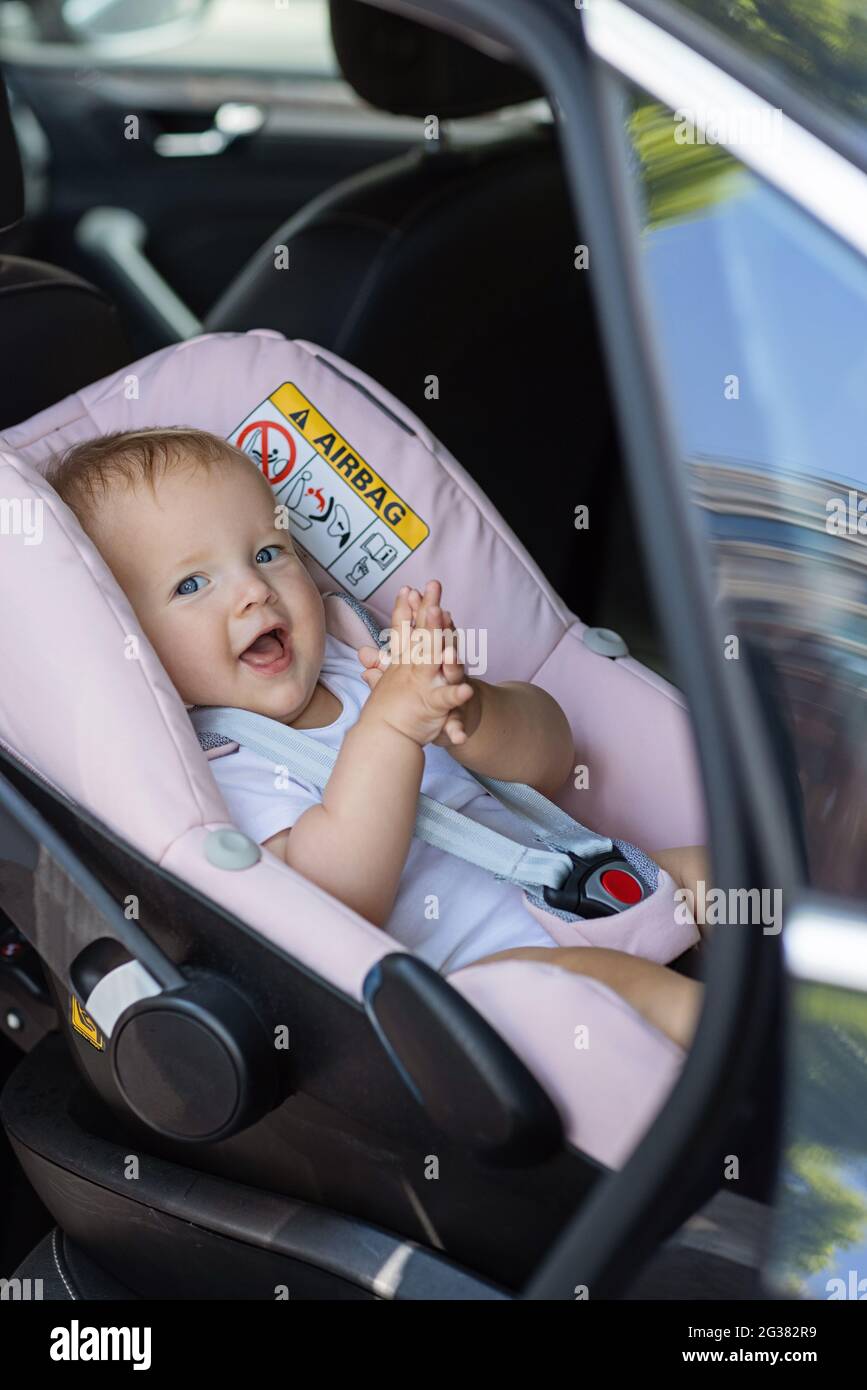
x=84 y=1024
x=336 y=505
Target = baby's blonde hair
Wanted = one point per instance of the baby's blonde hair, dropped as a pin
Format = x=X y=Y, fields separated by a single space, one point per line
x=83 y=474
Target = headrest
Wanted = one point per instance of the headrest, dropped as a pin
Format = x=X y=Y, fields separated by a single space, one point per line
x=11 y=178
x=374 y=499
x=398 y=65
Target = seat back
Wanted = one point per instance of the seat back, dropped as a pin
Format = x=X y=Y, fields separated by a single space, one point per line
x=449 y=276
x=57 y=332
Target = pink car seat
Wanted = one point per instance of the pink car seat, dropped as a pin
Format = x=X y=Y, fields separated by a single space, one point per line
x=141 y=894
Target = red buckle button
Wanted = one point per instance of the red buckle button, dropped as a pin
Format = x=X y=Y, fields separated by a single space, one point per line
x=621 y=886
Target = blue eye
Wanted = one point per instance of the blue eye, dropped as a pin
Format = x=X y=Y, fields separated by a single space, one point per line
x=267 y=547
x=189 y=579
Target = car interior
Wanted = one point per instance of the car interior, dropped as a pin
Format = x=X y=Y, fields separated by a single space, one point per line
x=451 y=257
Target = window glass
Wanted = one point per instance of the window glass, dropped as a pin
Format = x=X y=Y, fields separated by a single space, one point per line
x=761 y=323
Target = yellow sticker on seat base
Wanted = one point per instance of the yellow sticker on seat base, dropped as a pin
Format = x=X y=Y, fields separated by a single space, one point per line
x=84 y=1024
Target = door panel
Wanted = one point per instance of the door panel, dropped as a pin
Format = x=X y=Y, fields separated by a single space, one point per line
x=207 y=214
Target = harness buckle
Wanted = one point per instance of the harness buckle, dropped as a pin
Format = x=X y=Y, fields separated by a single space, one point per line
x=598 y=887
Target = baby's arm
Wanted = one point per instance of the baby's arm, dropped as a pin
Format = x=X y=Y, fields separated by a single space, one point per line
x=517 y=732
x=514 y=731
x=375 y=782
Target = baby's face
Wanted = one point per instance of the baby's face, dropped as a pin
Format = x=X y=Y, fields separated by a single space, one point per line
x=207 y=572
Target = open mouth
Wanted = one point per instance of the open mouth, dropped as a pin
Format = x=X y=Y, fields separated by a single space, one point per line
x=270 y=653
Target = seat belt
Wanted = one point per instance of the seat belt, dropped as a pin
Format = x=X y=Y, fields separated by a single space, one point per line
x=578 y=873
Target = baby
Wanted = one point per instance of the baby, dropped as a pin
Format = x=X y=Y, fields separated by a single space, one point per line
x=187 y=525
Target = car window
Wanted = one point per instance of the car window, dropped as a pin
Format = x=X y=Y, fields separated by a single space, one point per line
x=290 y=37
x=759 y=318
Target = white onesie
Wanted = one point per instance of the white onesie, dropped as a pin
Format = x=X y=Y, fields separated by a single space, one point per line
x=447 y=911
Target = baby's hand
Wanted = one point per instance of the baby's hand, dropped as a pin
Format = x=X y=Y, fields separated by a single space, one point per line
x=418 y=683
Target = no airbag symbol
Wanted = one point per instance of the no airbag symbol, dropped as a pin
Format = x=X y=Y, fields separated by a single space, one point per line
x=271 y=446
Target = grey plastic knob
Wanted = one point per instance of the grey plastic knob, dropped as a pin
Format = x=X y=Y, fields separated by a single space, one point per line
x=231 y=849
x=605 y=641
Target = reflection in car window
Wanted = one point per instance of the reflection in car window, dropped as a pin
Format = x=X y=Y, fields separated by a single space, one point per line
x=760 y=315
x=820 y=47
x=289 y=37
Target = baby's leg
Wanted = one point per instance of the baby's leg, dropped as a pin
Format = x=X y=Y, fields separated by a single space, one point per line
x=688 y=865
x=669 y=1001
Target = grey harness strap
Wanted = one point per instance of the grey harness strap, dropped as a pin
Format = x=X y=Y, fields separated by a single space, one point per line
x=532 y=870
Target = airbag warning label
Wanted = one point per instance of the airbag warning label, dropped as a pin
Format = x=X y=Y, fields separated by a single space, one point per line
x=339 y=509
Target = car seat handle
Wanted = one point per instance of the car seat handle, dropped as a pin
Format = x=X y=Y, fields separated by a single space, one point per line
x=188 y=1054
x=69 y=918
x=460 y=1070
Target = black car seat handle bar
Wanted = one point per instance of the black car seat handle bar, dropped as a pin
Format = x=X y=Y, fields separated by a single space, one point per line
x=70 y=919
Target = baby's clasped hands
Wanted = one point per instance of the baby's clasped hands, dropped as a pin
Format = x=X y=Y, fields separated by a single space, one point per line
x=418 y=683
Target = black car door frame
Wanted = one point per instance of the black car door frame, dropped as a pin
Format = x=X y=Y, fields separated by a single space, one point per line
x=818 y=160
x=750 y=832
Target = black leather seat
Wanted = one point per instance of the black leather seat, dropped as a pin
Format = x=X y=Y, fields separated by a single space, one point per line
x=456 y=261
x=58 y=1270
x=58 y=331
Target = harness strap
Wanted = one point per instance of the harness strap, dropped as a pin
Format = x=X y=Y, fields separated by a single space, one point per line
x=438 y=825
x=575 y=865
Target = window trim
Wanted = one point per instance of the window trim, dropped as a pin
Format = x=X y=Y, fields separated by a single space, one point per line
x=825 y=942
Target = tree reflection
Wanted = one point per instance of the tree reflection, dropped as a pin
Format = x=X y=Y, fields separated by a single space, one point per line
x=820 y=44
x=825 y=1188
x=679 y=180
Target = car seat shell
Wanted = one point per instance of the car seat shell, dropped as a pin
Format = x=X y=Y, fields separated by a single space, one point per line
x=93 y=710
